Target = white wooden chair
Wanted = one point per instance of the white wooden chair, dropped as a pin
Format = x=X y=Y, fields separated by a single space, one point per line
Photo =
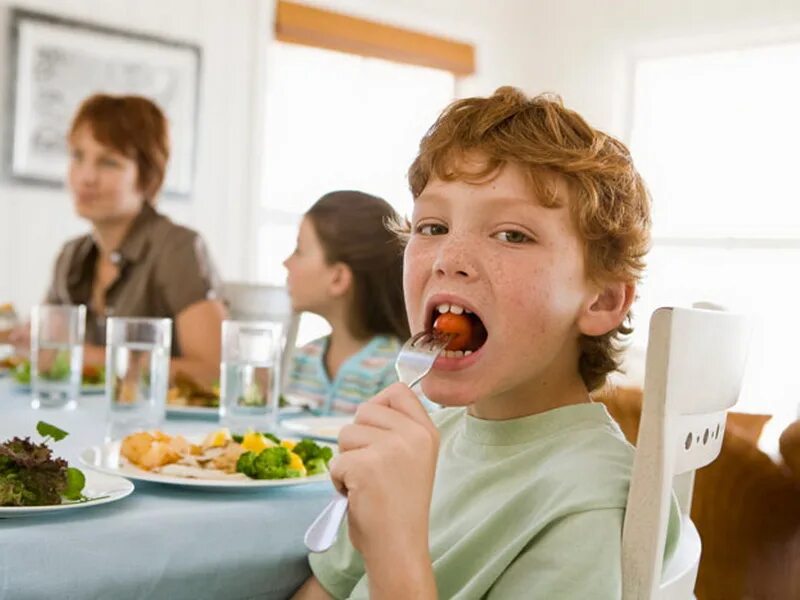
x=695 y=363
x=261 y=302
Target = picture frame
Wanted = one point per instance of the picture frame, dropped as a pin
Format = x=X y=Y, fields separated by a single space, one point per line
x=57 y=63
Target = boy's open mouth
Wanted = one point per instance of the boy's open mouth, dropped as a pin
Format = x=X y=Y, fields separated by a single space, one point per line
x=469 y=332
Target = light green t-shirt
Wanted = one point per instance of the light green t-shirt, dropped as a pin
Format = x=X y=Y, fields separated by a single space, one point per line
x=526 y=508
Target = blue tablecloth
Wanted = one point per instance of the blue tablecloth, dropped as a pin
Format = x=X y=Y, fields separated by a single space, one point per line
x=159 y=542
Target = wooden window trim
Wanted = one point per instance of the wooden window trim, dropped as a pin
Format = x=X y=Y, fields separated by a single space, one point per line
x=300 y=24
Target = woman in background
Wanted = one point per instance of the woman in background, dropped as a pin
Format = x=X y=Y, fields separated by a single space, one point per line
x=135 y=262
x=347 y=268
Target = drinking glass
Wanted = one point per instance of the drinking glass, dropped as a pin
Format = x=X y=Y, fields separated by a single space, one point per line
x=137 y=373
x=249 y=375
x=56 y=354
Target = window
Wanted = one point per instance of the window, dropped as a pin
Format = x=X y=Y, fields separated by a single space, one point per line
x=337 y=121
x=715 y=137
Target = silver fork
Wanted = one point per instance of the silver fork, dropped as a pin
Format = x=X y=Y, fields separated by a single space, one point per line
x=414 y=361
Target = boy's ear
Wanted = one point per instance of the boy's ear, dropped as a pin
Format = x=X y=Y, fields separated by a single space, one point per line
x=341 y=280
x=607 y=308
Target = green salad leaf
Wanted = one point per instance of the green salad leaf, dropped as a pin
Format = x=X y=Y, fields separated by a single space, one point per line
x=76 y=481
x=90 y=375
x=22 y=374
x=46 y=430
x=31 y=476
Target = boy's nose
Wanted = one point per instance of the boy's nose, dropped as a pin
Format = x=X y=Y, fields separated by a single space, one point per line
x=455 y=259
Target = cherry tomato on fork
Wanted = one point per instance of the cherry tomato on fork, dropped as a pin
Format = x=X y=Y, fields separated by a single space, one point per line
x=460 y=325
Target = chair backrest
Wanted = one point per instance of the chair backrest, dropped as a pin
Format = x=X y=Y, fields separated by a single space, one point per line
x=261 y=302
x=693 y=375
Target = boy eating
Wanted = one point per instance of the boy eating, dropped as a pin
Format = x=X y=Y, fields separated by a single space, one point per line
x=530 y=227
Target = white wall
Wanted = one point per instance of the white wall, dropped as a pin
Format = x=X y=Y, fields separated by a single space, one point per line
x=585 y=50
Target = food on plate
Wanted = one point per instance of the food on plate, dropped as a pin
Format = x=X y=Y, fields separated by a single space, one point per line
x=185 y=391
x=274 y=462
x=221 y=455
x=11 y=362
x=314 y=456
x=8 y=320
x=458 y=325
x=153 y=450
x=31 y=476
x=93 y=375
x=90 y=375
x=22 y=372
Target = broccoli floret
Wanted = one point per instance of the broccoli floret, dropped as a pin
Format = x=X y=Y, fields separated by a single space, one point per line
x=270 y=463
x=273 y=462
x=316 y=466
x=308 y=450
x=245 y=464
x=272 y=457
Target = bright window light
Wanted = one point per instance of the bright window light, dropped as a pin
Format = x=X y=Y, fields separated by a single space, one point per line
x=715 y=137
x=337 y=121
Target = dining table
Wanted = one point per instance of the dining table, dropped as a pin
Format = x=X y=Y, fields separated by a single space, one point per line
x=161 y=541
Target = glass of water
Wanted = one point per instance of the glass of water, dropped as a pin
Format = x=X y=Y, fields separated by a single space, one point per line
x=250 y=378
x=56 y=354
x=137 y=373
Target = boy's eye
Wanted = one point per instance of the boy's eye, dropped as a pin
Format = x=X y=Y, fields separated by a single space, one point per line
x=513 y=237
x=431 y=229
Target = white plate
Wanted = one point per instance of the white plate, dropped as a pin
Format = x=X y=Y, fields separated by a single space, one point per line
x=321 y=428
x=106 y=459
x=86 y=388
x=207 y=412
x=102 y=488
x=298 y=401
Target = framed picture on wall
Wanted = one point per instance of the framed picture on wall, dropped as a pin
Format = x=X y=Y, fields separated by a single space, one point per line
x=56 y=63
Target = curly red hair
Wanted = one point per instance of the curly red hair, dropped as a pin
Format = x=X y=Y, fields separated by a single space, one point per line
x=608 y=200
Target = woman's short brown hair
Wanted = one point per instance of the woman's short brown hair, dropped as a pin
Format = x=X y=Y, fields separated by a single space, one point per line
x=133 y=126
x=608 y=200
x=351 y=226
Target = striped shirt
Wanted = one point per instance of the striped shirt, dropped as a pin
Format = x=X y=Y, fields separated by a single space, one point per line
x=360 y=377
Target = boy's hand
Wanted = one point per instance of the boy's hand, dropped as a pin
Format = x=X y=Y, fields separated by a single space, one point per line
x=386 y=467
